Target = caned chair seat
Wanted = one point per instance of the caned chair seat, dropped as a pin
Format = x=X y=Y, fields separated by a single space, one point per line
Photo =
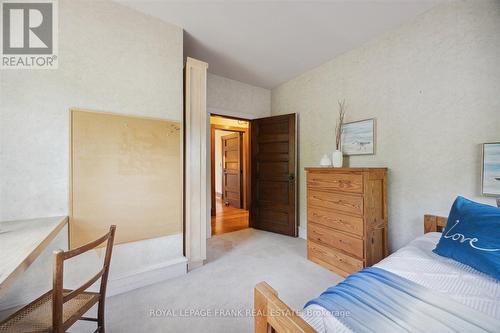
x=58 y=309
x=37 y=316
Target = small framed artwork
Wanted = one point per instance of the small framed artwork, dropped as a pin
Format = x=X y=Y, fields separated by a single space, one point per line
x=491 y=169
x=358 y=137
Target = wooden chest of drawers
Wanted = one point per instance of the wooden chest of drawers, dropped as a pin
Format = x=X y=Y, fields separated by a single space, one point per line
x=346 y=217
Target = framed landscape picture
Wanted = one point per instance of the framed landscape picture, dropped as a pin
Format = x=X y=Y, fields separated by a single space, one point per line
x=358 y=138
x=491 y=169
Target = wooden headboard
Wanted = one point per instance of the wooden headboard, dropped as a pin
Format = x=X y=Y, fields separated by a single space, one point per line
x=434 y=223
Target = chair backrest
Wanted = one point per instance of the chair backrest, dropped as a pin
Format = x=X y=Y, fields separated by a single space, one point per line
x=58 y=297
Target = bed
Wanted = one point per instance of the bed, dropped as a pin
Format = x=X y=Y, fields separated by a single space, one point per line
x=471 y=292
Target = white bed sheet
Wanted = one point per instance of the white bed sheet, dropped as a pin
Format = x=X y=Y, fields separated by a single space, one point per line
x=418 y=263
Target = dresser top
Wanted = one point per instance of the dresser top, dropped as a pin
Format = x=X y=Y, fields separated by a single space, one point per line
x=343 y=169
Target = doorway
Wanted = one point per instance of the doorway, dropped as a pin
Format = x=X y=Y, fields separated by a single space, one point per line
x=230 y=170
x=253 y=174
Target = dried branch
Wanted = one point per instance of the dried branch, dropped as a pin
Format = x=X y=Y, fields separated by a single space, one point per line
x=338 y=127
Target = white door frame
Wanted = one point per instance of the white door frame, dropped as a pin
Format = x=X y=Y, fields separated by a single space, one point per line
x=197 y=212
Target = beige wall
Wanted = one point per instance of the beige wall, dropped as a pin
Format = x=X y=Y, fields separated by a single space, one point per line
x=434 y=87
x=111 y=58
x=234 y=98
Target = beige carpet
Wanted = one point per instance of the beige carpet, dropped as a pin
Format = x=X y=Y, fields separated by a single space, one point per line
x=214 y=293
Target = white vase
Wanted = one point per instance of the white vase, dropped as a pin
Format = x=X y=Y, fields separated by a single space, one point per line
x=325 y=161
x=337 y=159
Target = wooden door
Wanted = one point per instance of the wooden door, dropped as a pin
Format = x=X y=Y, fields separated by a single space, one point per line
x=273 y=175
x=232 y=169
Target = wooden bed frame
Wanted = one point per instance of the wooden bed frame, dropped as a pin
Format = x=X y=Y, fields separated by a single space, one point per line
x=433 y=223
x=271 y=314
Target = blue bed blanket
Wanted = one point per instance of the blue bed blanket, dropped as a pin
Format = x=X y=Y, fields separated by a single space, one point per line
x=375 y=300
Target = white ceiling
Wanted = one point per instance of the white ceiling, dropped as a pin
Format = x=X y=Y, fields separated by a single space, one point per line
x=266 y=43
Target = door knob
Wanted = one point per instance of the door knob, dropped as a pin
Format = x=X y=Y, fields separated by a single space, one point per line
x=291 y=177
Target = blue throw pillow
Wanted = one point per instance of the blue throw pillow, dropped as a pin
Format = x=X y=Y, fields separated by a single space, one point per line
x=472 y=236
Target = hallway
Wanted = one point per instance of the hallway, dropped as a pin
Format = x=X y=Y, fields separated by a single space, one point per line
x=228 y=219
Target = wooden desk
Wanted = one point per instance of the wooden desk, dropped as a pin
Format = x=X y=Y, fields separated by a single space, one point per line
x=21 y=242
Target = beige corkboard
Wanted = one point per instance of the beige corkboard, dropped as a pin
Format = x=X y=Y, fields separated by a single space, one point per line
x=124 y=171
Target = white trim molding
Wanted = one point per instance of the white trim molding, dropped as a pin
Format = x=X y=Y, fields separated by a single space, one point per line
x=302 y=232
x=147 y=276
x=196 y=125
x=116 y=284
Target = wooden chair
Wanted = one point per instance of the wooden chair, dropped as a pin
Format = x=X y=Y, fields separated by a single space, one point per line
x=58 y=309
